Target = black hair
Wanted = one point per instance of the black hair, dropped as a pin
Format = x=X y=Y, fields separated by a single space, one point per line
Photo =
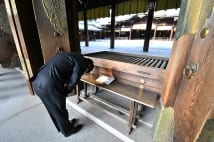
x=90 y=65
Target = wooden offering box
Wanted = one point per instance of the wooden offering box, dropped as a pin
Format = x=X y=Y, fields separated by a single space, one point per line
x=140 y=71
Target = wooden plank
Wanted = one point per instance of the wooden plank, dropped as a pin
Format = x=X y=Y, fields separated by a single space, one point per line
x=132 y=93
x=180 y=53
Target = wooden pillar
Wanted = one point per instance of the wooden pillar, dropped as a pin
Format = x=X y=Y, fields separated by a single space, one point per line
x=171 y=33
x=192 y=97
x=85 y=25
x=80 y=35
x=151 y=8
x=180 y=50
x=100 y=34
x=72 y=25
x=112 y=26
x=119 y=33
x=130 y=33
x=194 y=102
x=155 y=32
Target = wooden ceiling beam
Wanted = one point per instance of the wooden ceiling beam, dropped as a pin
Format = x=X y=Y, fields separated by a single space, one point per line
x=94 y=3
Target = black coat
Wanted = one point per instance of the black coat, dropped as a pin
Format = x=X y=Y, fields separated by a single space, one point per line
x=61 y=72
x=53 y=82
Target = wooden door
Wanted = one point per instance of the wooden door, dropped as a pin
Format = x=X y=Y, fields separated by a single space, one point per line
x=36 y=39
x=21 y=19
x=195 y=98
x=57 y=24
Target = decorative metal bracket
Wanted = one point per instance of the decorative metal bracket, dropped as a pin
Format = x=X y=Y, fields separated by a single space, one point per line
x=59 y=50
x=189 y=70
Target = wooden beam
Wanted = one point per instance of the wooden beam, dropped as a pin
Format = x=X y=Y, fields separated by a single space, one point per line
x=101 y=3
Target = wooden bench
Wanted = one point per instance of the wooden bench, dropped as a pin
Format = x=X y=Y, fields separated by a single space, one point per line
x=134 y=94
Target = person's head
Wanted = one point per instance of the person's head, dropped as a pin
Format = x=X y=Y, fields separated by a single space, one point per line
x=90 y=65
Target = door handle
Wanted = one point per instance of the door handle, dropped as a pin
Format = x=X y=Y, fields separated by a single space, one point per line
x=189 y=70
x=59 y=50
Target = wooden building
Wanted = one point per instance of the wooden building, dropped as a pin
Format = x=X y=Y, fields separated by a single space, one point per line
x=41 y=29
x=133 y=26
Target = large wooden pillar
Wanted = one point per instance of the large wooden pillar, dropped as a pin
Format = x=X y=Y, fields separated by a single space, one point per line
x=72 y=25
x=151 y=8
x=194 y=102
x=189 y=23
x=189 y=77
x=112 y=26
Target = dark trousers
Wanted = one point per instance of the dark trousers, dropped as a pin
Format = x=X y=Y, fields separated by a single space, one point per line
x=54 y=99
